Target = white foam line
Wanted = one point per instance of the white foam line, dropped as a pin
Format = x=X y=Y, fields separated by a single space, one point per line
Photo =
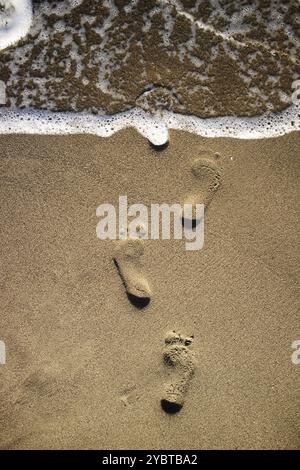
x=257 y=127
x=46 y=122
x=154 y=128
x=15 y=21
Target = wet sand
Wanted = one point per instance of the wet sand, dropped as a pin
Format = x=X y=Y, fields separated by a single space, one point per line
x=84 y=366
x=205 y=58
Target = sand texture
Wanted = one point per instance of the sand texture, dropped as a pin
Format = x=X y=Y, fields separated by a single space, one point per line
x=87 y=368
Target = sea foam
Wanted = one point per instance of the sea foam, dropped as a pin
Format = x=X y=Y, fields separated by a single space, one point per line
x=153 y=127
x=15 y=21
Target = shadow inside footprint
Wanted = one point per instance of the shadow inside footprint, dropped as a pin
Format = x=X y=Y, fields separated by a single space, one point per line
x=190 y=224
x=138 y=302
x=170 y=406
x=159 y=148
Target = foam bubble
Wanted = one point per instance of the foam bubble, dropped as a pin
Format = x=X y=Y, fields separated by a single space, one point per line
x=15 y=21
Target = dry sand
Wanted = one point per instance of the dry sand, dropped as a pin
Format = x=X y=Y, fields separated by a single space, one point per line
x=84 y=366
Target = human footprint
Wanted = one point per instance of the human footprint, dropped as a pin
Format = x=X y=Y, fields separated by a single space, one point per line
x=127 y=260
x=180 y=362
x=206 y=169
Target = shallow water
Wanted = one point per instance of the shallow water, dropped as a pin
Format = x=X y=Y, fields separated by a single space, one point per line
x=201 y=57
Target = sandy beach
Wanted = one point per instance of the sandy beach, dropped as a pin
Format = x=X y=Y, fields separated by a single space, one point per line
x=128 y=339
x=84 y=366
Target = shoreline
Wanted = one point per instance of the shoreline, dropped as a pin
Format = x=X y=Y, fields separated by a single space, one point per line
x=154 y=127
